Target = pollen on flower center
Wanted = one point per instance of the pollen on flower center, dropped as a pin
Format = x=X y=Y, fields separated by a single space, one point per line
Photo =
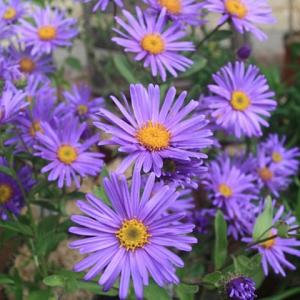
x=133 y=234
x=67 y=154
x=268 y=243
x=153 y=43
x=265 y=174
x=154 y=136
x=47 y=33
x=35 y=127
x=239 y=101
x=5 y=193
x=9 y=14
x=225 y=190
x=82 y=109
x=172 y=6
x=27 y=65
x=276 y=157
x=236 y=8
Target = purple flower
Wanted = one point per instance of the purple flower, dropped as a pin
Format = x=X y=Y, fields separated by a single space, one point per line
x=184 y=11
x=79 y=103
x=50 y=29
x=241 y=288
x=29 y=64
x=10 y=105
x=150 y=134
x=61 y=145
x=202 y=218
x=244 y=14
x=131 y=238
x=274 y=249
x=6 y=31
x=285 y=159
x=11 y=11
x=102 y=4
x=241 y=98
x=155 y=43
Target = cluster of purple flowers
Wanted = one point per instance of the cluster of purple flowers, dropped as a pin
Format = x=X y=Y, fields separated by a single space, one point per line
x=164 y=137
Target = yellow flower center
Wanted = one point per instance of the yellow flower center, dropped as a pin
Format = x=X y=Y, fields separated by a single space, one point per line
x=239 y=101
x=154 y=136
x=153 y=43
x=82 y=109
x=27 y=65
x=172 y=6
x=276 y=157
x=236 y=8
x=265 y=174
x=67 y=154
x=9 y=14
x=133 y=234
x=5 y=193
x=268 y=243
x=47 y=33
x=35 y=127
x=225 y=190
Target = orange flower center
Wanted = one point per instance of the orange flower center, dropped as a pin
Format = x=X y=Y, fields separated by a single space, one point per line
x=265 y=174
x=67 y=154
x=236 y=8
x=27 y=65
x=47 y=33
x=239 y=101
x=153 y=43
x=35 y=127
x=5 y=193
x=225 y=190
x=172 y=6
x=9 y=14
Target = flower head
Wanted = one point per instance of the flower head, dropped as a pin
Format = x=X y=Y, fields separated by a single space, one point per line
x=240 y=288
x=61 y=145
x=152 y=41
x=241 y=98
x=50 y=29
x=79 y=103
x=131 y=238
x=150 y=134
x=11 y=11
x=244 y=14
x=184 y=11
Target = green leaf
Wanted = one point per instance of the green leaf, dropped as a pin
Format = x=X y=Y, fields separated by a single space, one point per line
x=221 y=243
x=74 y=63
x=16 y=226
x=285 y=295
x=54 y=280
x=221 y=35
x=199 y=64
x=153 y=291
x=212 y=280
x=5 y=279
x=95 y=288
x=282 y=229
x=124 y=68
x=263 y=222
x=40 y=295
x=7 y=171
x=186 y=291
x=99 y=192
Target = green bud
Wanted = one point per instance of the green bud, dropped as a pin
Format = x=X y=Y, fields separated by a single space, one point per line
x=282 y=229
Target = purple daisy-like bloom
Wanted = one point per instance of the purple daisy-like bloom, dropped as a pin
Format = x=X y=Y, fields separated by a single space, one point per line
x=244 y=14
x=153 y=41
x=184 y=11
x=150 y=134
x=102 y=4
x=241 y=98
x=69 y=157
x=202 y=218
x=6 y=30
x=79 y=103
x=131 y=238
x=283 y=158
x=240 y=288
x=274 y=249
x=11 y=11
x=50 y=29
x=10 y=105
x=29 y=64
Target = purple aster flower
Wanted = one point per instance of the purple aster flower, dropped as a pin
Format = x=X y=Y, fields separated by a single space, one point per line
x=241 y=98
x=11 y=11
x=10 y=105
x=184 y=11
x=150 y=134
x=186 y=174
x=102 y=4
x=283 y=158
x=61 y=145
x=50 y=29
x=202 y=218
x=244 y=52
x=244 y=14
x=131 y=238
x=240 y=288
x=79 y=103
x=155 y=43
x=30 y=64
x=274 y=249
x=6 y=30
